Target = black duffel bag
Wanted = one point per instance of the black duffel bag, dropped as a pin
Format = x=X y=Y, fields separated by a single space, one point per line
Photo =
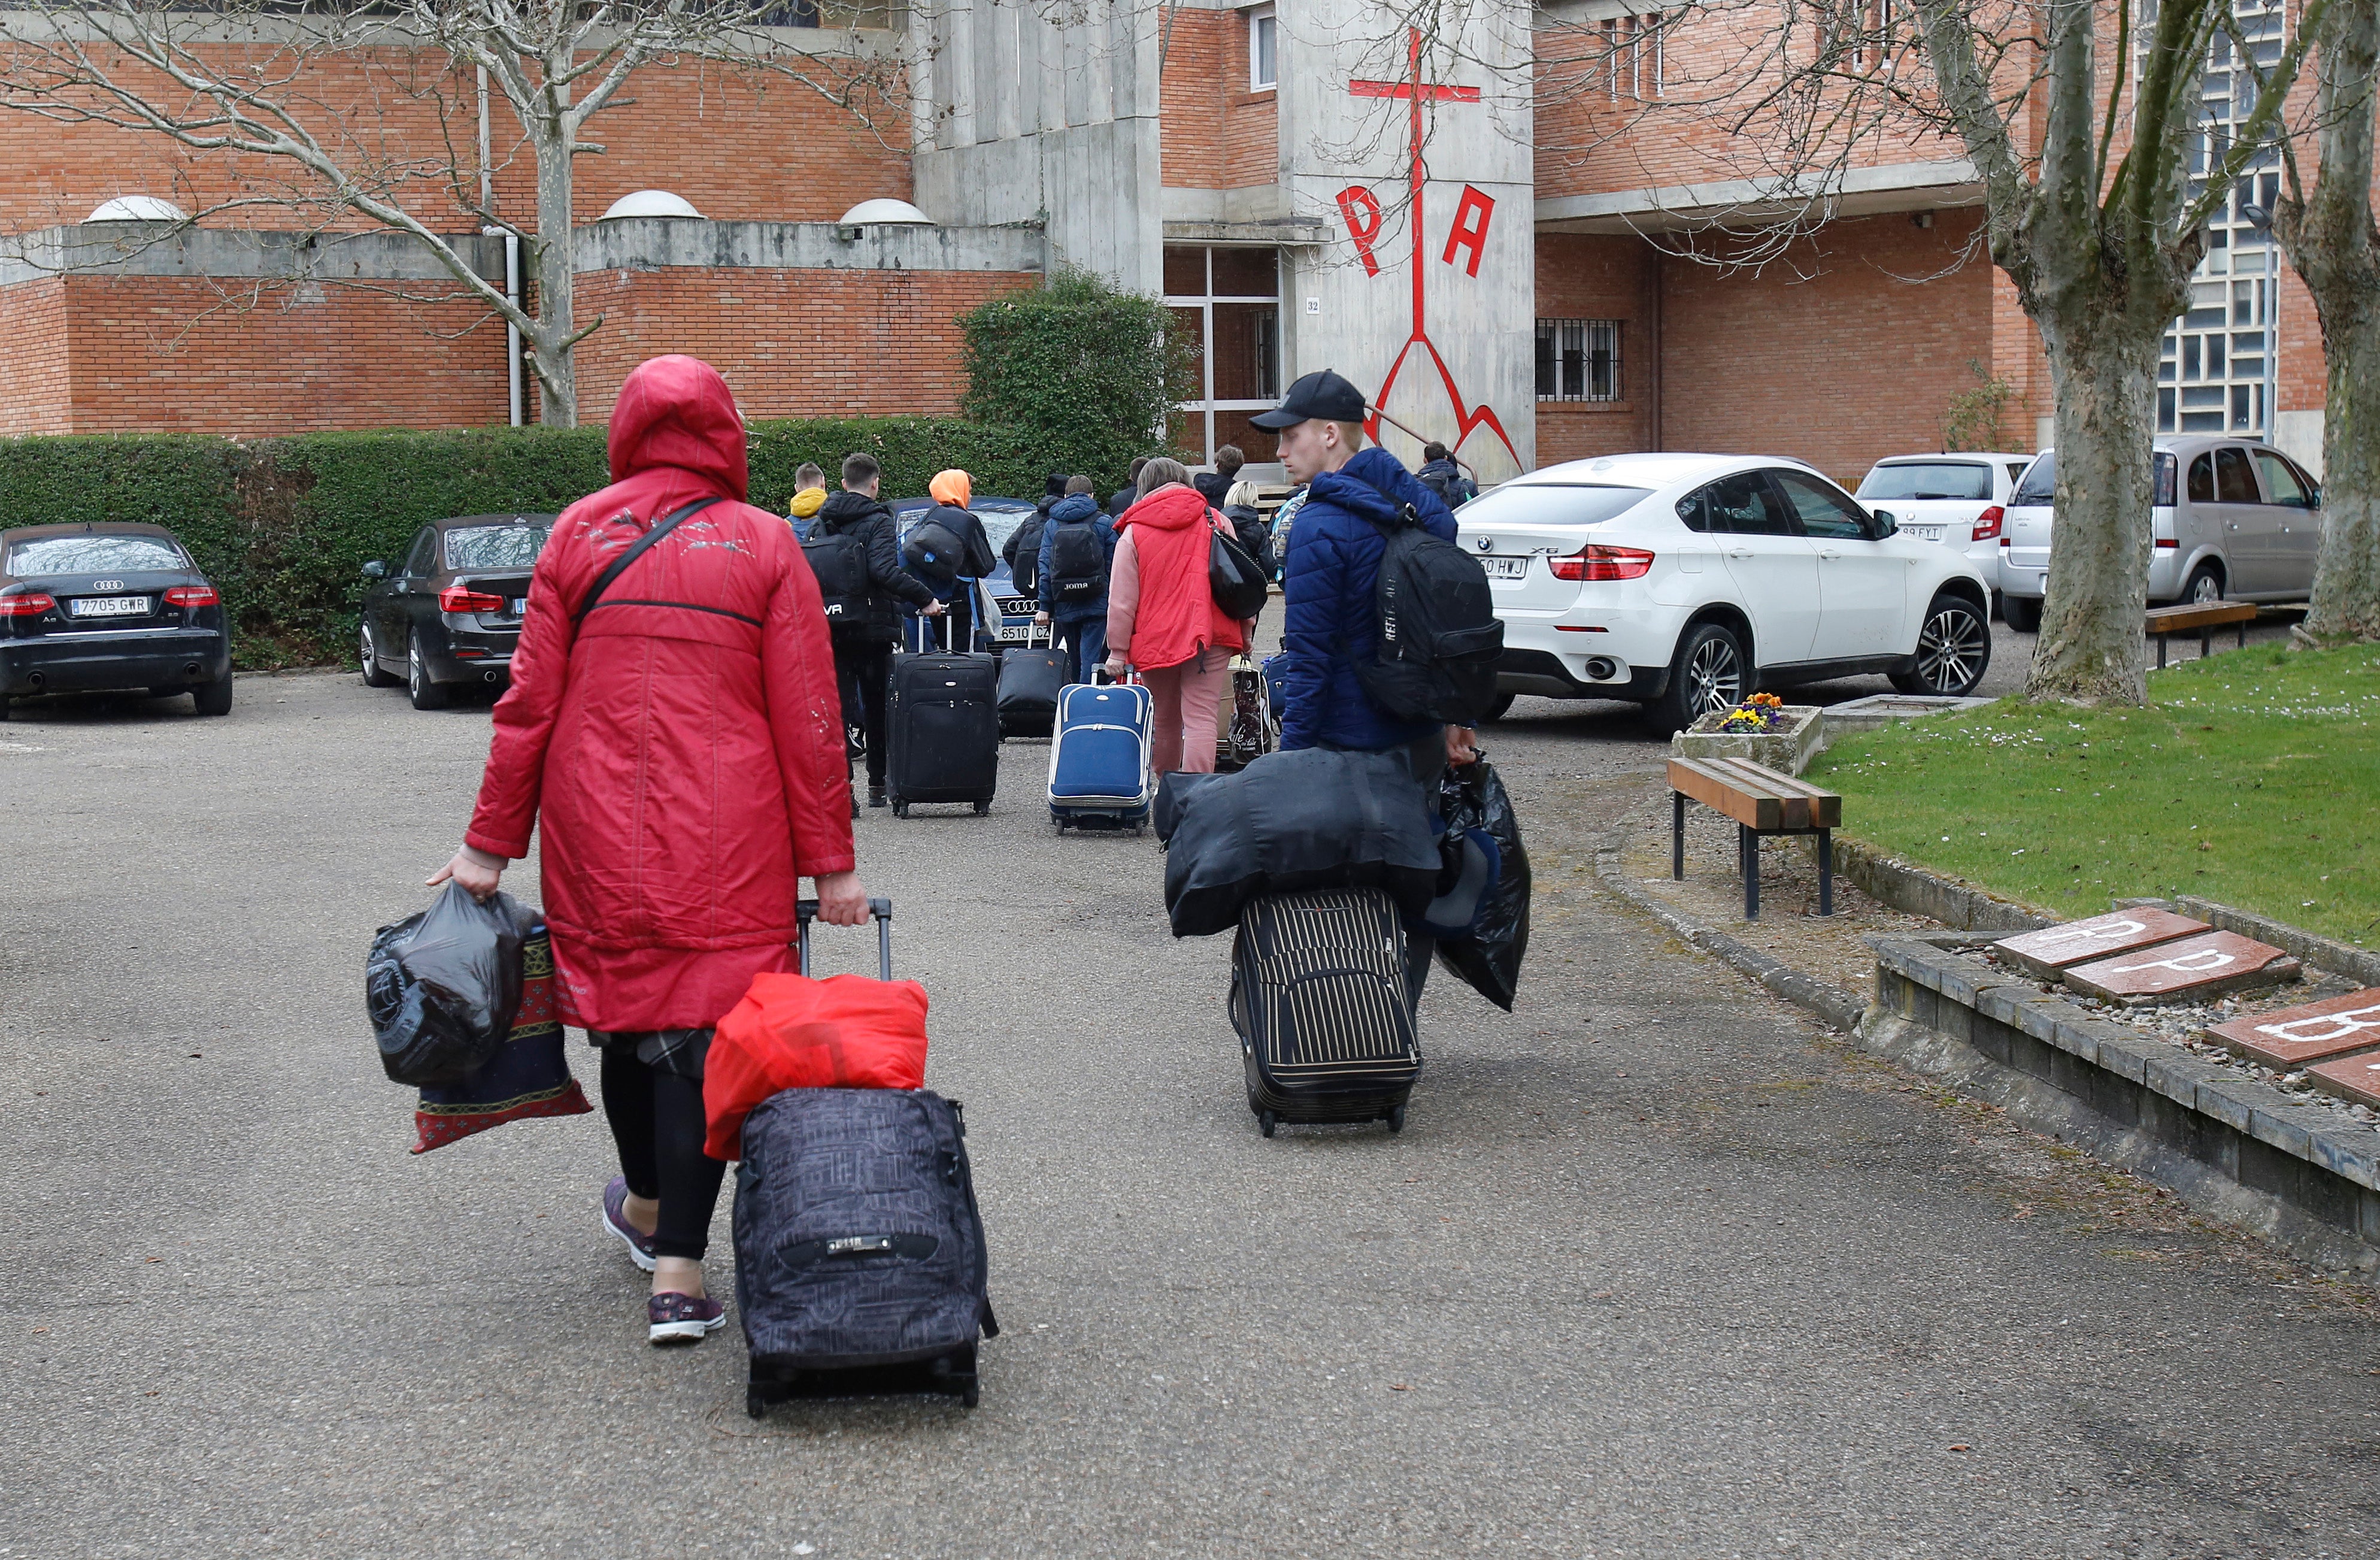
x=1315 y=818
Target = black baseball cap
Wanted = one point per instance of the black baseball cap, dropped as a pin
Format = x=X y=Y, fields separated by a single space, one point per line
x=1323 y=395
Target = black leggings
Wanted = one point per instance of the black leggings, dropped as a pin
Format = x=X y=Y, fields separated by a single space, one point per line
x=658 y=1122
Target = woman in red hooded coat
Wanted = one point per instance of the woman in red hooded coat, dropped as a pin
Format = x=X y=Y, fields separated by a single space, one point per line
x=681 y=743
x=1162 y=618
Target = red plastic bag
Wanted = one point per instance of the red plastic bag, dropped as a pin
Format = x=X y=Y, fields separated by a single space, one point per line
x=846 y=1032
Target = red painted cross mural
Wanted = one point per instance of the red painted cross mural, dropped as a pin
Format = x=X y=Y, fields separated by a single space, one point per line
x=1361 y=209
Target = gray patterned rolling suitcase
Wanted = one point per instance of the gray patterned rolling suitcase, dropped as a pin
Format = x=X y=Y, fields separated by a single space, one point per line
x=1319 y=998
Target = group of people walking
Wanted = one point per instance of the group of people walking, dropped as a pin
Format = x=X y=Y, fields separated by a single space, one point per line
x=680 y=737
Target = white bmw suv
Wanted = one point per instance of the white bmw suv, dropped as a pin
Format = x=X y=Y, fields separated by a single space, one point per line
x=1687 y=581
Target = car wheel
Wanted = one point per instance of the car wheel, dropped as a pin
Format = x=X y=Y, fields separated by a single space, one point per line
x=2022 y=613
x=1954 y=648
x=1711 y=671
x=426 y=692
x=1495 y=712
x=2206 y=587
x=375 y=676
x=214 y=698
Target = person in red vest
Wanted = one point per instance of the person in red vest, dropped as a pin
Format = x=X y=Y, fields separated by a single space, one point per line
x=679 y=739
x=1162 y=618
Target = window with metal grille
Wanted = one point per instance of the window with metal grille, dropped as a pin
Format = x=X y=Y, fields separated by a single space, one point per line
x=1578 y=359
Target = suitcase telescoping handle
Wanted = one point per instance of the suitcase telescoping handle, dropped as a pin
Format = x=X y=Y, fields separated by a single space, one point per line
x=806 y=911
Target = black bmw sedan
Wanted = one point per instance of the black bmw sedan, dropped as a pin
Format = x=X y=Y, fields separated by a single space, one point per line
x=107 y=607
x=450 y=611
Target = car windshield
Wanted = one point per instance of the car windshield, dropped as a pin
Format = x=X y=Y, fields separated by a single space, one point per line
x=476 y=547
x=1929 y=479
x=1001 y=517
x=95 y=554
x=1551 y=503
x=2040 y=483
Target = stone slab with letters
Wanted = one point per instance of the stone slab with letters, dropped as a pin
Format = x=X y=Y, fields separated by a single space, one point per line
x=2188 y=971
x=2051 y=951
x=2315 y=1033
x=2353 y=1078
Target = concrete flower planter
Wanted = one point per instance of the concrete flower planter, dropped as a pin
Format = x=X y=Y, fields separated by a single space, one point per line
x=1788 y=748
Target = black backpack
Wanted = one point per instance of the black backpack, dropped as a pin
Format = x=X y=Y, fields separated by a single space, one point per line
x=1024 y=567
x=1255 y=534
x=1440 y=638
x=1453 y=489
x=933 y=553
x=1078 y=565
x=838 y=559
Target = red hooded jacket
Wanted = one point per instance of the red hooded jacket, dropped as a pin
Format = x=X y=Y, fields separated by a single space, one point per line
x=1172 y=536
x=683 y=746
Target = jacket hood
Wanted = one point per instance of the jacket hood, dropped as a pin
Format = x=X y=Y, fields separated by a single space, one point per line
x=1081 y=506
x=1174 y=507
x=844 y=508
x=678 y=411
x=953 y=488
x=808 y=503
x=1374 y=486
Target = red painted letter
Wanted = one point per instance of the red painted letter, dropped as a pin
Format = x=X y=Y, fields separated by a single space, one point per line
x=1362 y=212
x=1470 y=231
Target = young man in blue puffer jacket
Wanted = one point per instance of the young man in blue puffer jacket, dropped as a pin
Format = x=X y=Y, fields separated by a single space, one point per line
x=1327 y=581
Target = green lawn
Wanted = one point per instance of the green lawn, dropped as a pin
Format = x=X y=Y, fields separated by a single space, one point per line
x=2253 y=778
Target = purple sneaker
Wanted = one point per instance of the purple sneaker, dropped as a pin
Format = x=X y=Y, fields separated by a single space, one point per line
x=682 y=1319
x=615 y=1219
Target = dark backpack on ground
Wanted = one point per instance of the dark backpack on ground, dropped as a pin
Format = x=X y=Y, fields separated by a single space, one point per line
x=838 y=559
x=1440 y=638
x=1078 y=565
x=858 y=1246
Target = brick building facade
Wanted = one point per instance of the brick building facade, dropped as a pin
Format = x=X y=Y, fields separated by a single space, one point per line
x=1504 y=236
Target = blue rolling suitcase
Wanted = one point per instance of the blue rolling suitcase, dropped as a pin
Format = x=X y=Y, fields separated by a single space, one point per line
x=1098 y=757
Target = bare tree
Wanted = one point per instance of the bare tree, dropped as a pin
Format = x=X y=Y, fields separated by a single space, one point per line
x=2331 y=241
x=246 y=82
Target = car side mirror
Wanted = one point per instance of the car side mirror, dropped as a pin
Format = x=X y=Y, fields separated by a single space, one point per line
x=1886 y=523
x=375 y=570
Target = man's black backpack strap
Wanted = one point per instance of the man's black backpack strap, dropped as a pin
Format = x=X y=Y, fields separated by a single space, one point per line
x=637 y=549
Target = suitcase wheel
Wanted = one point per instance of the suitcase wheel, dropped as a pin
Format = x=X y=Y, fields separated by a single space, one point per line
x=900 y=810
x=1266 y=1122
x=982 y=808
x=972 y=1396
x=1396 y=1119
x=754 y=1404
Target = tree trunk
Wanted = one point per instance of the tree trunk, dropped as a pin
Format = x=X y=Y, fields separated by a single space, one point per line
x=2103 y=369
x=550 y=344
x=2331 y=241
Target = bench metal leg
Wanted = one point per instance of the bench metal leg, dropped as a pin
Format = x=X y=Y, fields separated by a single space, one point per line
x=1677 y=836
x=2242 y=627
x=2205 y=644
x=1751 y=873
x=2160 y=638
x=1826 y=871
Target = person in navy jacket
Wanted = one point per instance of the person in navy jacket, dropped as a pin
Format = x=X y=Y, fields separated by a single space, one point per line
x=1327 y=580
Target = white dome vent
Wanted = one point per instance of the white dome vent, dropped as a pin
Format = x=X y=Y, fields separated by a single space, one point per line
x=650 y=202
x=138 y=208
x=884 y=212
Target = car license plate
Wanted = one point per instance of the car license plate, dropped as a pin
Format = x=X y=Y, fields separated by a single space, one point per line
x=107 y=607
x=1505 y=568
x=1016 y=633
x=519 y=605
x=1924 y=533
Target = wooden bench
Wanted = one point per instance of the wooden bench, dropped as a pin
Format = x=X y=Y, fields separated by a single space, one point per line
x=2205 y=617
x=1761 y=802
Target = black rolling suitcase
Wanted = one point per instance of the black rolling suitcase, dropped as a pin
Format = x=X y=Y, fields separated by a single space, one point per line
x=945 y=720
x=1319 y=998
x=1030 y=678
x=860 y=1263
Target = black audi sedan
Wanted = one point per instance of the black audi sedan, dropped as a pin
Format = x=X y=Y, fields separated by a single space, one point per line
x=108 y=606
x=450 y=611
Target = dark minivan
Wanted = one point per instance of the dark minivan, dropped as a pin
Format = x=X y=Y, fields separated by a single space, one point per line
x=450 y=611
x=106 y=606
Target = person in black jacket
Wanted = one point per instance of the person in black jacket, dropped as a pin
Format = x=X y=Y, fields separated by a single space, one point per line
x=863 y=647
x=1022 y=550
x=1128 y=494
x=1213 y=485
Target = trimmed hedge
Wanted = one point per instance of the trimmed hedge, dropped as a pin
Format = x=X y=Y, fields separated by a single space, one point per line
x=1091 y=369
x=283 y=527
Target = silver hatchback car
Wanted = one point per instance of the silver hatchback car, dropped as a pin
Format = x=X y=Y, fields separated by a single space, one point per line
x=2234 y=519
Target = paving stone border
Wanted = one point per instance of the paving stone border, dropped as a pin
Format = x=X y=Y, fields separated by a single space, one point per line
x=2295 y=1173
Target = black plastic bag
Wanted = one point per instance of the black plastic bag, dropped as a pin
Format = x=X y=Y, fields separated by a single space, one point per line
x=443 y=986
x=1315 y=818
x=1472 y=796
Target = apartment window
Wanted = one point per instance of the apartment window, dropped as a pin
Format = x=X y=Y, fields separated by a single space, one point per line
x=1578 y=359
x=1263 y=61
x=1229 y=302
